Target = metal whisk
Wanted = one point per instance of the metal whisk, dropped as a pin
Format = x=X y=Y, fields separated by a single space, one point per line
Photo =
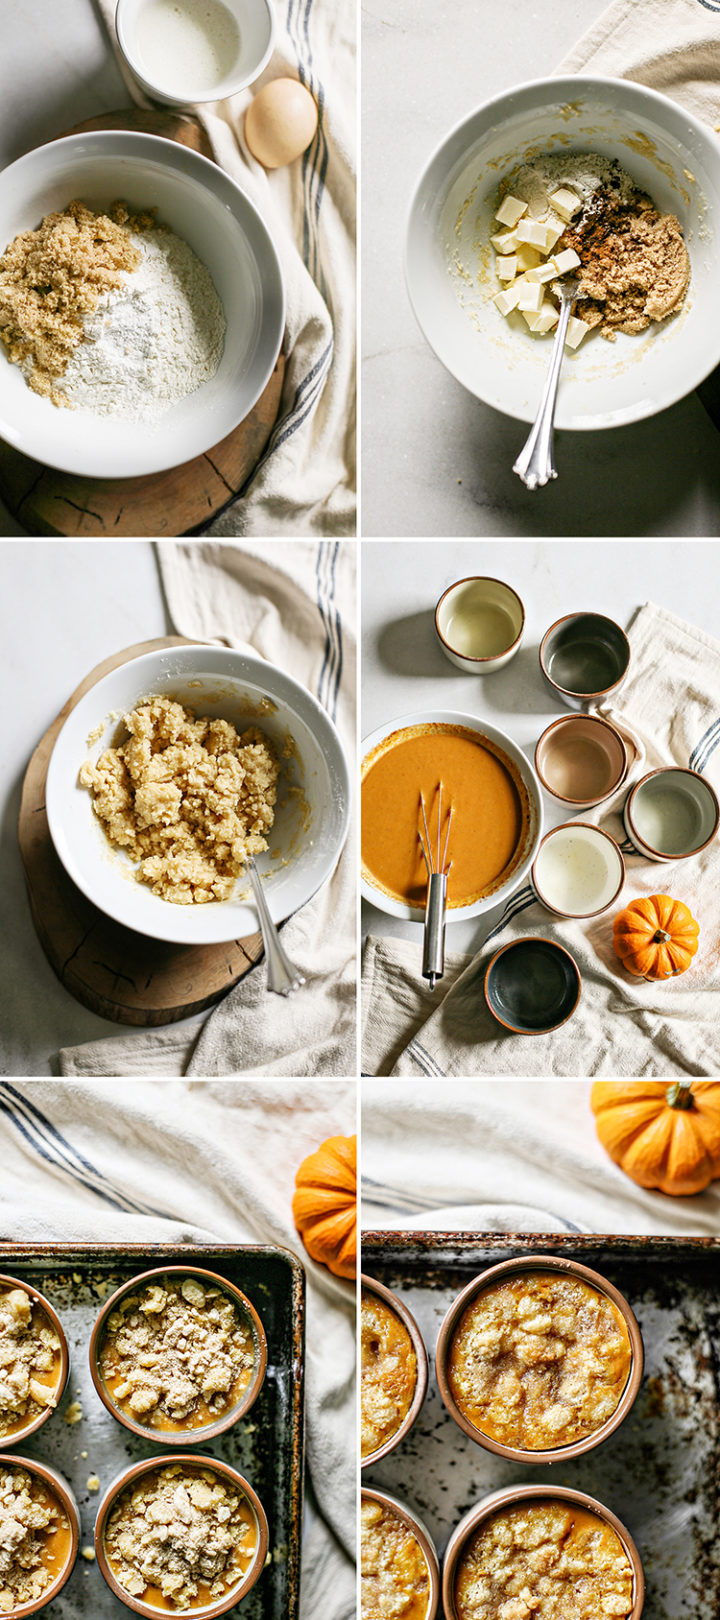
x=435 y=905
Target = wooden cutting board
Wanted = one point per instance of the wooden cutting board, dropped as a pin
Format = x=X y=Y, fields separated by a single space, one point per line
x=118 y=974
x=48 y=502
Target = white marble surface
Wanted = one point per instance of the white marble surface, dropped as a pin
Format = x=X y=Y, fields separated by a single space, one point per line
x=56 y=68
x=405 y=671
x=436 y=460
x=64 y=605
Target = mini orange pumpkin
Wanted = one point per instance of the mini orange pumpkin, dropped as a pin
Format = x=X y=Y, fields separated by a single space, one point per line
x=325 y=1204
x=655 y=938
x=663 y=1136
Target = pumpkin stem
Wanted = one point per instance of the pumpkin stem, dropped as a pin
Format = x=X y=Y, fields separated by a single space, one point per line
x=660 y=937
x=680 y=1094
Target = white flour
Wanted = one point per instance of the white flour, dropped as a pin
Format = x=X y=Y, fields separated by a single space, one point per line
x=584 y=172
x=151 y=341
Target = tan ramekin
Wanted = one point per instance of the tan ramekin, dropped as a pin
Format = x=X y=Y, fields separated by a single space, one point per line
x=513 y=1496
x=59 y=1488
x=150 y=1465
x=7 y=1440
x=409 y=1322
x=532 y=1263
x=422 y=1536
x=208 y=1431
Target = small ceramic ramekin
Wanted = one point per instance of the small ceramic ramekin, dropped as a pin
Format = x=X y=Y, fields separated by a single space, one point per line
x=581 y=760
x=584 y=657
x=533 y=1264
x=255 y=23
x=515 y=1496
x=422 y=1536
x=36 y=1298
x=480 y=623
x=532 y=985
x=400 y=1309
x=59 y=1488
x=199 y=1435
x=195 y=1463
x=671 y=814
x=572 y=843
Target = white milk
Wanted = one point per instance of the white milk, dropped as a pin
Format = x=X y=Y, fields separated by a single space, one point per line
x=577 y=871
x=186 y=45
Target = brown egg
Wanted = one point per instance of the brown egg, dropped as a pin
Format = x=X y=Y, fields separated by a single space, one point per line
x=280 y=122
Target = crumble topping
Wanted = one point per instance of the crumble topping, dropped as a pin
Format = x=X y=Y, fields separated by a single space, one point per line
x=29 y=1353
x=190 y=799
x=186 y=1534
x=395 y=1582
x=546 y=1562
x=388 y=1373
x=34 y=1538
x=177 y=1354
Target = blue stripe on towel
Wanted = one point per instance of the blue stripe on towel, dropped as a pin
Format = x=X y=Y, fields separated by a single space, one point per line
x=424 y=1060
x=519 y=902
x=48 y=1142
x=708 y=743
x=332 y=666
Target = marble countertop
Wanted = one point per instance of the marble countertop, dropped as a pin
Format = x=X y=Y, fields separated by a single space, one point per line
x=435 y=460
x=405 y=670
x=63 y=604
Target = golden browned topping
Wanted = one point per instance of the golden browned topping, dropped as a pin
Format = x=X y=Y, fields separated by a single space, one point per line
x=395 y=1580
x=182 y=1535
x=388 y=1373
x=34 y=1538
x=635 y=267
x=177 y=1354
x=52 y=278
x=190 y=799
x=29 y=1360
x=539 y=1360
x=551 y=1561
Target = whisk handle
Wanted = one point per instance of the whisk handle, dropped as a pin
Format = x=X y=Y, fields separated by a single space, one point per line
x=434 y=942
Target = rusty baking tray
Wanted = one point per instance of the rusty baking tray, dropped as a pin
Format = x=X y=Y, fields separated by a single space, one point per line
x=660 y=1472
x=266 y=1446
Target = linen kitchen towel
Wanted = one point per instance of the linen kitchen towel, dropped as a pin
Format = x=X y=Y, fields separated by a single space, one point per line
x=305 y=481
x=293 y=603
x=669 y=711
x=669 y=45
x=200 y=1162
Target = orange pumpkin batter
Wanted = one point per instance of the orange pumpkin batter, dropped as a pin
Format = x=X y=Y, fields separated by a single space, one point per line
x=490 y=812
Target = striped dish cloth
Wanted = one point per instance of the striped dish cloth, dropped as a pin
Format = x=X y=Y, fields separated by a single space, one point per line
x=292 y=602
x=199 y=1162
x=305 y=482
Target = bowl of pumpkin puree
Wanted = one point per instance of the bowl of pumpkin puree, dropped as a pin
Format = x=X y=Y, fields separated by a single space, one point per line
x=496 y=823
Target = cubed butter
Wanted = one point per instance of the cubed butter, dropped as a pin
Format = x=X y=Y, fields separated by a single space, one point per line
x=546 y=319
x=510 y=211
x=567 y=260
x=531 y=297
x=505 y=241
x=553 y=229
x=566 y=203
x=543 y=272
x=507 y=267
x=528 y=258
x=533 y=232
x=576 y=331
x=508 y=301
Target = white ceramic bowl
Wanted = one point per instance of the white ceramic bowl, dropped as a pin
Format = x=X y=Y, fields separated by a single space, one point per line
x=667 y=152
x=198 y=201
x=176 y=82
x=447 y=717
x=309 y=829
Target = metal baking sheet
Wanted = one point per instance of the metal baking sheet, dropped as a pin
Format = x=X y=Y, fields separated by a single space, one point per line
x=660 y=1472
x=266 y=1446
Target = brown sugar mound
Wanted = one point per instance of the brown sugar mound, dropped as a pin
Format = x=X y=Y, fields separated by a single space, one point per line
x=52 y=278
x=635 y=267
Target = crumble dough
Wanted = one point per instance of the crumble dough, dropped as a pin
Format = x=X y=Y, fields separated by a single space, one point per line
x=176 y=1353
x=183 y=1533
x=28 y=1518
x=29 y=1350
x=190 y=799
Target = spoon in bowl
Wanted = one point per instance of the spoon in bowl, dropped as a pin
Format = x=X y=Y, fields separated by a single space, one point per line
x=536 y=463
x=282 y=975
